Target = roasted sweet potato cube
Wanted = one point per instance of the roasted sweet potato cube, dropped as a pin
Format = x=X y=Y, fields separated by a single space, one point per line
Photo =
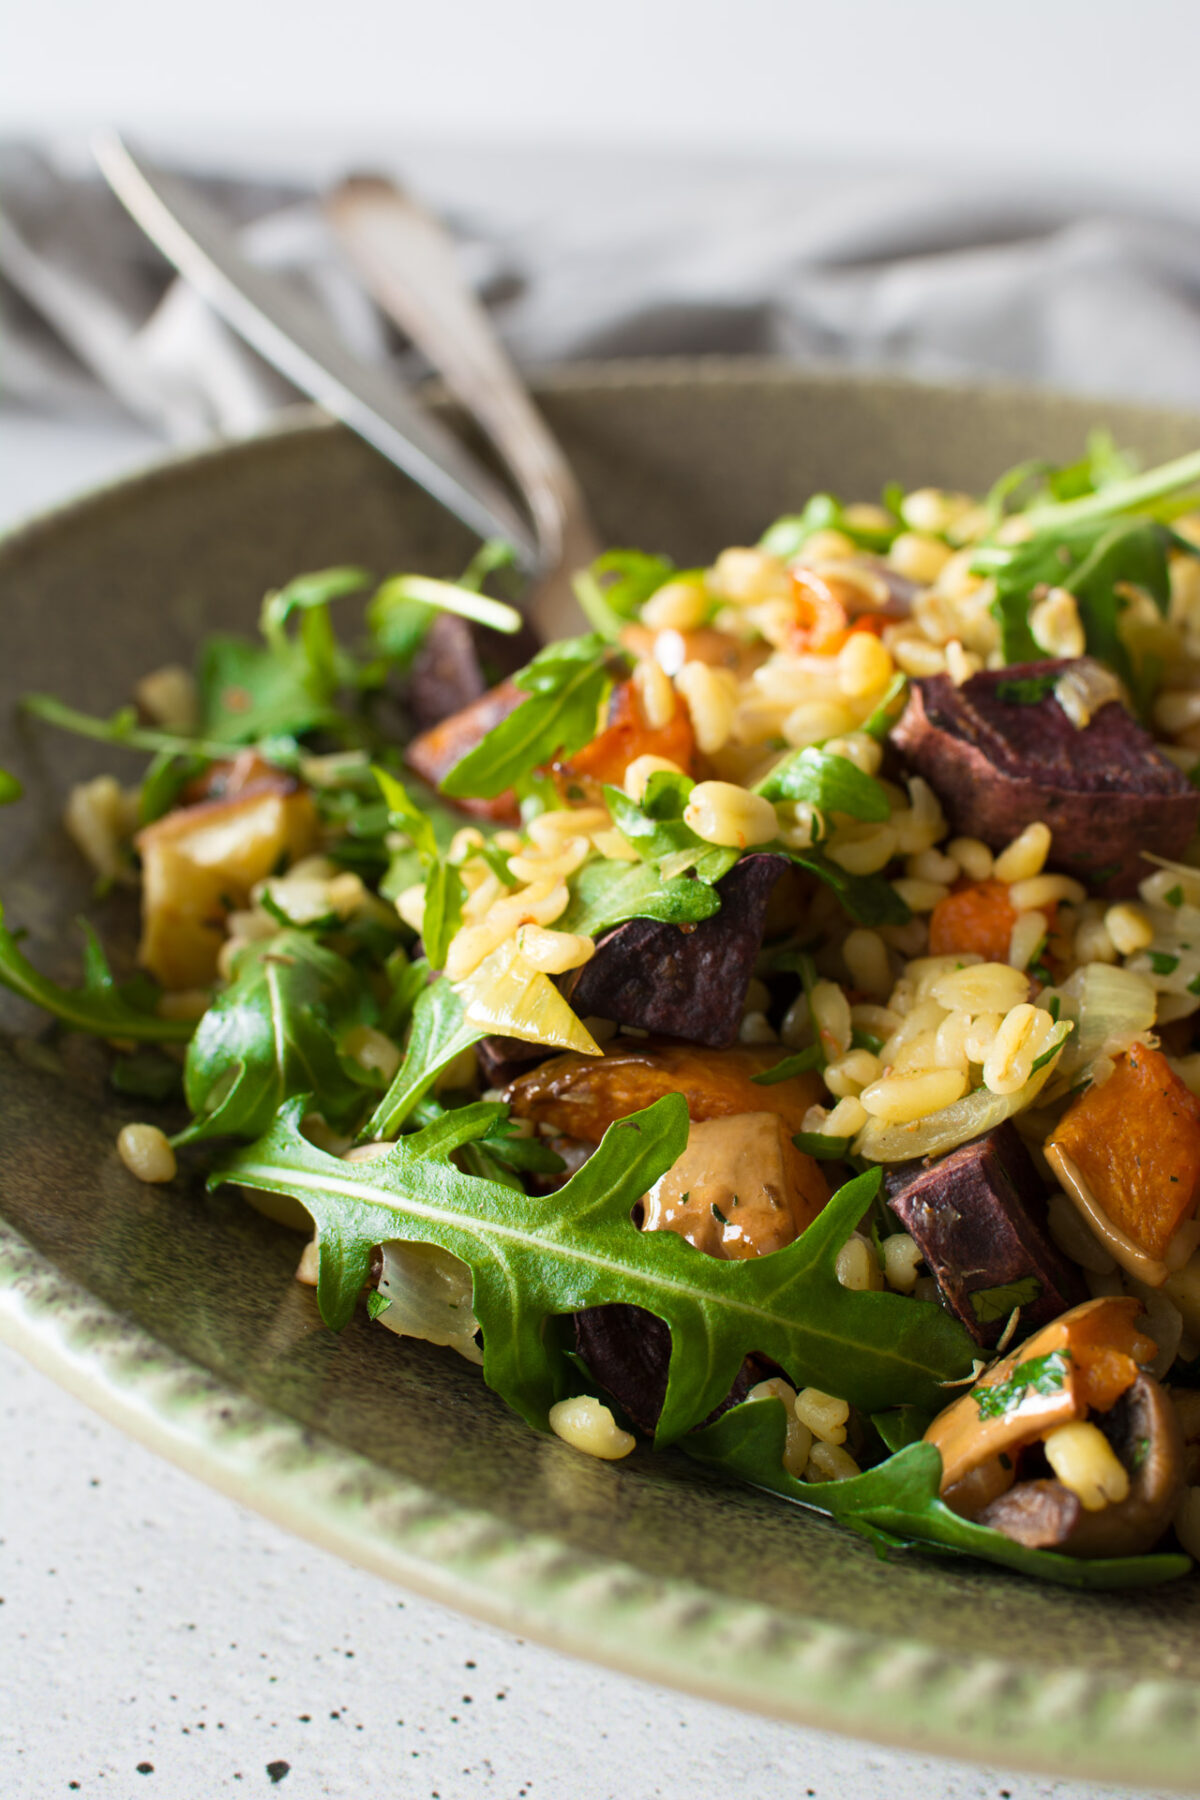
x=199 y=863
x=626 y=736
x=1135 y=1140
x=434 y=753
x=978 y=918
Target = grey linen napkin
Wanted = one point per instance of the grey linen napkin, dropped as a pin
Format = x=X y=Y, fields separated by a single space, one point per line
x=581 y=256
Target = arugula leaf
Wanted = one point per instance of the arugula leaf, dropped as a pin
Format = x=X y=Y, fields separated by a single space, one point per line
x=869 y=899
x=440 y=1032
x=821 y=1147
x=287 y=684
x=444 y=888
x=799 y=1064
x=400 y=591
x=531 y=1262
x=897 y=1505
x=1133 y=493
x=121 y=728
x=274 y=1032
x=10 y=788
x=1091 y=559
x=787 y=537
x=888 y=711
x=654 y=825
x=146 y=1075
x=405 y=606
x=99 y=1007
x=613 y=590
x=567 y=684
x=249 y=691
x=830 y=782
x=902 y=1426
x=605 y=893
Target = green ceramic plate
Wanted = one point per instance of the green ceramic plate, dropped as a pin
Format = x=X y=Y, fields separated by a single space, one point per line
x=177 y=1316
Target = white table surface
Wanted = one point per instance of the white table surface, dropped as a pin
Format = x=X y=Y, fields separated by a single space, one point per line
x=158 y=1641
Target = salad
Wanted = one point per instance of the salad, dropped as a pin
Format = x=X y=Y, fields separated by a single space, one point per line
x=763 y=1023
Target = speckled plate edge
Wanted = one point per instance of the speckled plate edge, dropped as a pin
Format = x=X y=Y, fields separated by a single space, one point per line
x=1066 y=1721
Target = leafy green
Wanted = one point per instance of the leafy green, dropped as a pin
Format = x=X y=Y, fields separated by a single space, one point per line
x=146 y=1074
x=566 y=685
x=444 y=889
x=605 y=893
x=654 y=824
x=613 y=590
x=830 y=782
x=799 y=1064
x=1092 y=558
x=274 y=1032
x=886 y=713
x=405 y=606
x=1026 y=690
x=10 y=788
x=440 y=1032
x=531 y=1262
x=897 y=1506
x=992 y=1303
x=901 y=1426
x=1144 y=493
x=288 y=684
x=822 y=1148
x=869 y=899
x=99 y=1006
x=121 y=728
x=787 y=537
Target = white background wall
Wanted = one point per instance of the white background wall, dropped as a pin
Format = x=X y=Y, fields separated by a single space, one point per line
x=1107 y=87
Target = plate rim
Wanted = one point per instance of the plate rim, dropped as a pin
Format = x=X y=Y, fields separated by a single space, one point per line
x=1062 y=1721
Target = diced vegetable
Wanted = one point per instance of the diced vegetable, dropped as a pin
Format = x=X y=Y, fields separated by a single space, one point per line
x=199 y=863
x=977 y=918
x=582 y=1096
x=1087 y=1358
x=1135 y=1140
x=627 y=736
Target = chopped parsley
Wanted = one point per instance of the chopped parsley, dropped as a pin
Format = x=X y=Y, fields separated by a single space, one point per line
x=1026 y=690
x=1040 y=1375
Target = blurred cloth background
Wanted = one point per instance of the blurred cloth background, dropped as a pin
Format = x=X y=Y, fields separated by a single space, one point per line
x=1082 y=284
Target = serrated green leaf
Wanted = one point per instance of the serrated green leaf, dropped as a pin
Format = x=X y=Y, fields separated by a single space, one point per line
x=830 y=782
x=99 y=1007
x=898 y=1506
x=440 y=1031
x=566 y=686
x=531 y=1262
x=605 y=893
x=274 y=1032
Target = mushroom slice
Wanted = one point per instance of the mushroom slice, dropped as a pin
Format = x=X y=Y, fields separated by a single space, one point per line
x=582 y=1096
x=740 y=1189
x=1082 y=1361
x=1144 y=1431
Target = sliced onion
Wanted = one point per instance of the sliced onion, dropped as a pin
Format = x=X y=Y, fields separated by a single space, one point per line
x=509 y=996
x=1110 y=1006
x=430 y=1297
x=967 y=1118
